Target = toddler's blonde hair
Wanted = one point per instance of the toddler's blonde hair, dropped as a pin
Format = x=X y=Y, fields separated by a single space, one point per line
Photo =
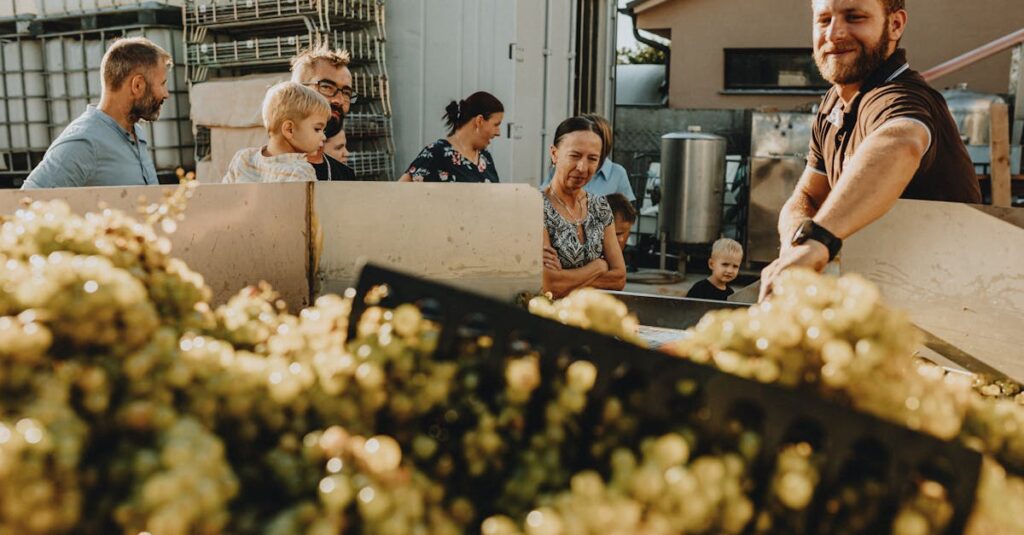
x=291 y=101
x=726 y=246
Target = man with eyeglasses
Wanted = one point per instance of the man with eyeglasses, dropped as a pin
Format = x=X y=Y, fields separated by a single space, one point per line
x=326 y=70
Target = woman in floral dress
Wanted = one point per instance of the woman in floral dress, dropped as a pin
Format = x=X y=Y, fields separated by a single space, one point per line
x=462 y=156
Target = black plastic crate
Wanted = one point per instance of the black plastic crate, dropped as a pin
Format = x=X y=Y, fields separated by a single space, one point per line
x=850 y=441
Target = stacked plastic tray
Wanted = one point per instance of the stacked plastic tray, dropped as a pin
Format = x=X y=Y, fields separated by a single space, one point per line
x=227 y=38
x=854 y=446
x=50 y=53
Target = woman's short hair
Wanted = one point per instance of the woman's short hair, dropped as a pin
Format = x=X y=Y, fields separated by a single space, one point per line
x=291 y=101
x=579 y=124
x=458 y=113
x=621 y=207
x=128 y=56
x=606 y=131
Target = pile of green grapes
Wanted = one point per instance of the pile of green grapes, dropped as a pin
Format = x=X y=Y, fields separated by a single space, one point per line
x=834 y=336
x=591 y=309
x=129 y=405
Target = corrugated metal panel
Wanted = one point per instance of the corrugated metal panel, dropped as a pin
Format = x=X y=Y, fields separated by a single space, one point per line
x=441 y=50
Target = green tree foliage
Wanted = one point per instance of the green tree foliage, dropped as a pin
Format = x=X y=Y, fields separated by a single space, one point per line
x=642 y=54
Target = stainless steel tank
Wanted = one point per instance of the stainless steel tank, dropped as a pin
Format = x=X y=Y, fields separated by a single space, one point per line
x=971 y=111
x=692 y=183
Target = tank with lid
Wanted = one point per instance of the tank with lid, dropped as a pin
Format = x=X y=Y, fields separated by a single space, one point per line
x=972 y=112
x=692 y=183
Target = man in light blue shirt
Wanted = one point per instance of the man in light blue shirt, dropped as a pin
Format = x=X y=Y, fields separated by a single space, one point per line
x=611 y=177
x=104 y=146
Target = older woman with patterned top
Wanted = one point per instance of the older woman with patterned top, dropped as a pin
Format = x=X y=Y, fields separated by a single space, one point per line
x=580 y=247
x=462 y=156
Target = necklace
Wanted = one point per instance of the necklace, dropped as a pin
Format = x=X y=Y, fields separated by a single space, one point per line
x=572 y=216
x=459 y=144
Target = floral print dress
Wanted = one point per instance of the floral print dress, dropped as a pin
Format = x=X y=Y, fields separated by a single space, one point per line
x=440 y=162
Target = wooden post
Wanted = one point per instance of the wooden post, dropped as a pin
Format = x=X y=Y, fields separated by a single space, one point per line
x=1000 y=154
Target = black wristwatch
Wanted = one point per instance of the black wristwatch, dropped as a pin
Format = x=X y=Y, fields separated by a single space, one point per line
x=809 y=230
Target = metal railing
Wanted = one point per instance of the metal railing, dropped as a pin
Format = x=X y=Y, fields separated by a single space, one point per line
x=999 y=45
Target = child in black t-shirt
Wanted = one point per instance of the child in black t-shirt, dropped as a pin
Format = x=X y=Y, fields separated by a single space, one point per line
x=726 y=256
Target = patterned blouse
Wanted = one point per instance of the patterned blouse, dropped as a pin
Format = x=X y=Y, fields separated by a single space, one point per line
x=565 y=239
x=440 y=162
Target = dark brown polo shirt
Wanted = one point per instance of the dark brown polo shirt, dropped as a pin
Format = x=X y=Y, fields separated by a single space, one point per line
x=895 y=92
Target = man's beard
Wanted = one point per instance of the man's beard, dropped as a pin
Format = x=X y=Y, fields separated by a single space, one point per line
x=146 y=108
x=865 y=62
x=335 y=124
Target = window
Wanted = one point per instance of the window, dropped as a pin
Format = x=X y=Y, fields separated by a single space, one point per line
x=772 y=69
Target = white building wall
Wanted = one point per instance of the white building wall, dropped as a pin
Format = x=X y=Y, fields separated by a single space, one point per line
x=519 y=50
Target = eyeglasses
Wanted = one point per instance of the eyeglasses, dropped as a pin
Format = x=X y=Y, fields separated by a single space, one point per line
x=329 y=89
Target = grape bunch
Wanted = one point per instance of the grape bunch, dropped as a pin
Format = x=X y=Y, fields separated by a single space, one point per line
x=591 y=309
x=129 y=404
x=999 y=502
x=661 y=491
x=792 y=487
x=834 y=336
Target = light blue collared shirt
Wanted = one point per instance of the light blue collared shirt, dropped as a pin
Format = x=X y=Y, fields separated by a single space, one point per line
x=610 y=178
x=94 y=151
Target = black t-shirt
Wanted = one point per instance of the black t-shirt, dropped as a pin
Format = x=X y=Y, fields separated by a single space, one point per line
x=331 y=169
x=705 y=290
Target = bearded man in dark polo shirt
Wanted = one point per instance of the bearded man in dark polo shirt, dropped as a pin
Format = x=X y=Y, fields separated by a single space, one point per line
x=882 y=133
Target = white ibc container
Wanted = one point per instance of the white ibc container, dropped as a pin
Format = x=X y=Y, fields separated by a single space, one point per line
x=93 y=57
x=60 y=116
x=95 y=84
x=170 y=143
x=74 y=65
x=54 y=68
x=78 y=106
x=18 y=8
x=166 y=38
x=61 y=7
x=24 y=100
x=94 y=50
x=5 y=138
x=23 y=69
x=56 y=130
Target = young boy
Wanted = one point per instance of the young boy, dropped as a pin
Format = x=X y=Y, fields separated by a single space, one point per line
x=294 y=116
x=726 y=256
x=624 y=214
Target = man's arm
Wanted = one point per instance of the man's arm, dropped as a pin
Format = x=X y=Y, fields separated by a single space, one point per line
x=875 y=177
x=808 y=196
x=872 y=182
x=69 y=163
